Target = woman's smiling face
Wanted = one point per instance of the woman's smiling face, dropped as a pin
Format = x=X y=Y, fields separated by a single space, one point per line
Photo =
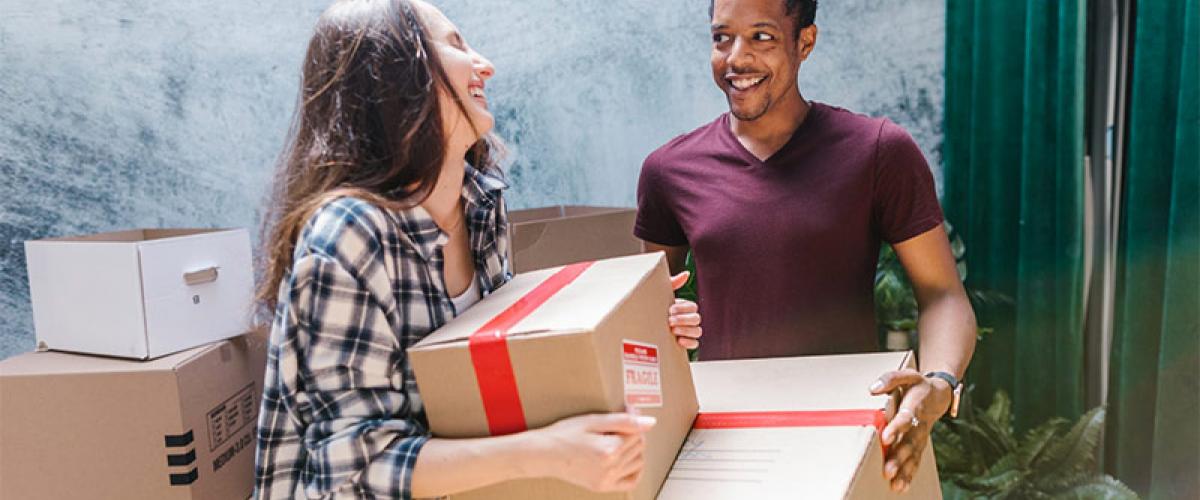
x=467 y=71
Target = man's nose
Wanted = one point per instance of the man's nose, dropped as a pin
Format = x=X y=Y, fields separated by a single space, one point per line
x=740 y=53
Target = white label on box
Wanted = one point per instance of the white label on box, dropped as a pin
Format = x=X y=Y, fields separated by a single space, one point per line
x=231 y=415
x=643 y=379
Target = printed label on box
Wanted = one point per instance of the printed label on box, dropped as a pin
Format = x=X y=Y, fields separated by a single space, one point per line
x=643 y=382
x=230 y=416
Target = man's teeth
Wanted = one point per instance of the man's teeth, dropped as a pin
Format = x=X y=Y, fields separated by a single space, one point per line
x=745 y=83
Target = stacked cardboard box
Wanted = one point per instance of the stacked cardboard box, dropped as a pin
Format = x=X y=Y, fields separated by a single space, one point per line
x=152 y=390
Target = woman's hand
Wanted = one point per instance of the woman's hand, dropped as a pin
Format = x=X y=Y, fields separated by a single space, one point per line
x=602 y=452
x=684 y=316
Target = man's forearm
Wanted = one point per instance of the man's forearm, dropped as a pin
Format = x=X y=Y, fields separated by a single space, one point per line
x=947 y=330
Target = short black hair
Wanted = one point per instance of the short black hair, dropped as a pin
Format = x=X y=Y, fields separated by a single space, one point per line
x=803 y=12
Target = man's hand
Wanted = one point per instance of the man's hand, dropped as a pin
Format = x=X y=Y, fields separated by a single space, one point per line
x=923 y=401
x=684 y=316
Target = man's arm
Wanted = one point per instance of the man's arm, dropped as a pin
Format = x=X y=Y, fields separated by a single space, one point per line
x=946 y=321
x=947 y=331
x=676 y=255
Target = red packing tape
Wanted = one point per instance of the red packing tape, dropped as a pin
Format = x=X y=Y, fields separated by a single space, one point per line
x=489 y=354
x=814 y=418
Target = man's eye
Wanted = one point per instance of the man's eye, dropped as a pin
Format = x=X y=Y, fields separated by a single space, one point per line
x=763 y=37
x=720 y=38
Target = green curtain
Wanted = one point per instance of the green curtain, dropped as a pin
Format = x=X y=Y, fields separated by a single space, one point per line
x=1014 y=184
x=1154 y=393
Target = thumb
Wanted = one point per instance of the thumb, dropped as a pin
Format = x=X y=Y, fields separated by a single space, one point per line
x=680 y=279
x=621 y=423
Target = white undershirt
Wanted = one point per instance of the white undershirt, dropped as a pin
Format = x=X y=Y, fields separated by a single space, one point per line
x=468 y=298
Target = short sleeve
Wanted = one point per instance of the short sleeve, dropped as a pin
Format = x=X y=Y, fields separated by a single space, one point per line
x=656 y=220
x=905 y=197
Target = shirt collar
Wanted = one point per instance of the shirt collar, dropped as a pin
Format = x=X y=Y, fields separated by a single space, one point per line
x=480 y=191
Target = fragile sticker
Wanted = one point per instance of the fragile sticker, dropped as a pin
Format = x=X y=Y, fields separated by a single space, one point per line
x=643 y=380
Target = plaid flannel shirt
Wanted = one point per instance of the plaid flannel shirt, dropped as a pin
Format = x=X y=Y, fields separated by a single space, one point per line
x=340 y=416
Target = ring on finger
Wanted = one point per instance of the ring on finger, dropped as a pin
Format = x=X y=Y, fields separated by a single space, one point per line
x=914 y=422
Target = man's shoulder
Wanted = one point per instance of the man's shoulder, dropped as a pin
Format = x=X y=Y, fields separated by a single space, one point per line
x=846 y=122
x=686 y=144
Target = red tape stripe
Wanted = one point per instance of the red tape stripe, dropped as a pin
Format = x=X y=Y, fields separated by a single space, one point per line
x=815 y=418
x=489 y=354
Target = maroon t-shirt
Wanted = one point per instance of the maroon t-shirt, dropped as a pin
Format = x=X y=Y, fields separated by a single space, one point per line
x=786 y=248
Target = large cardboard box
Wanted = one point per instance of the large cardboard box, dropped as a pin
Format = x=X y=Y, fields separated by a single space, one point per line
x=178 y=427
x=554 y=236
x=792 y=428
x=560 y=342
x=142 y=293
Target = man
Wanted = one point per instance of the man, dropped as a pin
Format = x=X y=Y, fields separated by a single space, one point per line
x=784 y=204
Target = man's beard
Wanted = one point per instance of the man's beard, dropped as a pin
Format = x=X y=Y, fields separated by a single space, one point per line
x=750 y=115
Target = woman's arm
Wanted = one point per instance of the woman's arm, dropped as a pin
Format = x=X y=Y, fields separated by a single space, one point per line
x=600 y=452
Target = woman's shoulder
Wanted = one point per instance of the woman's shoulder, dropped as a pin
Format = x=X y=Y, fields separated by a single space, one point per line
x=345 y=225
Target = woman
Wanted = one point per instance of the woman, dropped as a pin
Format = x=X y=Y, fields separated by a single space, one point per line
x=388 y=221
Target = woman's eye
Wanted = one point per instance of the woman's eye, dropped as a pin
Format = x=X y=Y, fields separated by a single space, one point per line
x=720 y=38
x=763 y=37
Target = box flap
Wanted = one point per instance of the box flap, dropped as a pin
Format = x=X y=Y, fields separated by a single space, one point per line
x=132 y=235
x=794 y=384
x=579 y=306
x=62 y=363
x=531 y=215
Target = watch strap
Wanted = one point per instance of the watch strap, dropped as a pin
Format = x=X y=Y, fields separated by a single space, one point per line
x=955 y=388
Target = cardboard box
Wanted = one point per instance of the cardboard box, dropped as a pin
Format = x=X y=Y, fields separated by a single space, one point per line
x=792 y=428
x=178 y=427
x=142 y=293
x=554 y=236
x=557 y=343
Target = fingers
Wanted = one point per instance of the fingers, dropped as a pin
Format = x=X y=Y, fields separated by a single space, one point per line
x=684 y=320
x=901 y=423
x=681 y=306
x=618 y=423
x=680 y=279
x=891 y=381
x=907 y=471
x=897 y=456
x=687 y=343
x=632 y=472
x=904 y=459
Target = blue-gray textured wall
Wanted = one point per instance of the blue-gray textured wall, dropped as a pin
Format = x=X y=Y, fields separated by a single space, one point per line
x=132 y=113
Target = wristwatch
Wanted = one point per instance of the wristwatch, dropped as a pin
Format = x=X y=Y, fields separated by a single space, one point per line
x=955 y=386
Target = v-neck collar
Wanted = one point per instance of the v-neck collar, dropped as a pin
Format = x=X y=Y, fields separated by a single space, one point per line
x=814 y=111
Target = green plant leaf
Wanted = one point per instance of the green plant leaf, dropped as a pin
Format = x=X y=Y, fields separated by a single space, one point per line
x=1075 y=452
x=997 y=485
x=1036 y=440
x=1097 y=488
x=1000 y=411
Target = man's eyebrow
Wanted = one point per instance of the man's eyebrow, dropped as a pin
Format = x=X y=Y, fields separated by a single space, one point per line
x=716 y=27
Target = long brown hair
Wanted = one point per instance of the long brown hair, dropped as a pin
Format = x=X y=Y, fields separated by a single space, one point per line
x=367 y=124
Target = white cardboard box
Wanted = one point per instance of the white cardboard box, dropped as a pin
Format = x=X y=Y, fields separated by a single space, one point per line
x=784 y=428
x=142 y=293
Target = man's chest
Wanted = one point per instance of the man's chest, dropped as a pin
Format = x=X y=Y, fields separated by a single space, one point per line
x=813 y=204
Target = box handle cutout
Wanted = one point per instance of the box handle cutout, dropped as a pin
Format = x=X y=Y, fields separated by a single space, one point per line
x=201 y=276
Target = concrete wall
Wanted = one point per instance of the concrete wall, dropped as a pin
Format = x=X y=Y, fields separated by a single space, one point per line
x=120 y=114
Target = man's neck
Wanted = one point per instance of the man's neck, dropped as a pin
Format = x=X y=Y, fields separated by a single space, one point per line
x=770 y=132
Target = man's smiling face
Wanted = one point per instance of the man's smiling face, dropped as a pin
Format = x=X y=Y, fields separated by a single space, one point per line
x=756 y=54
